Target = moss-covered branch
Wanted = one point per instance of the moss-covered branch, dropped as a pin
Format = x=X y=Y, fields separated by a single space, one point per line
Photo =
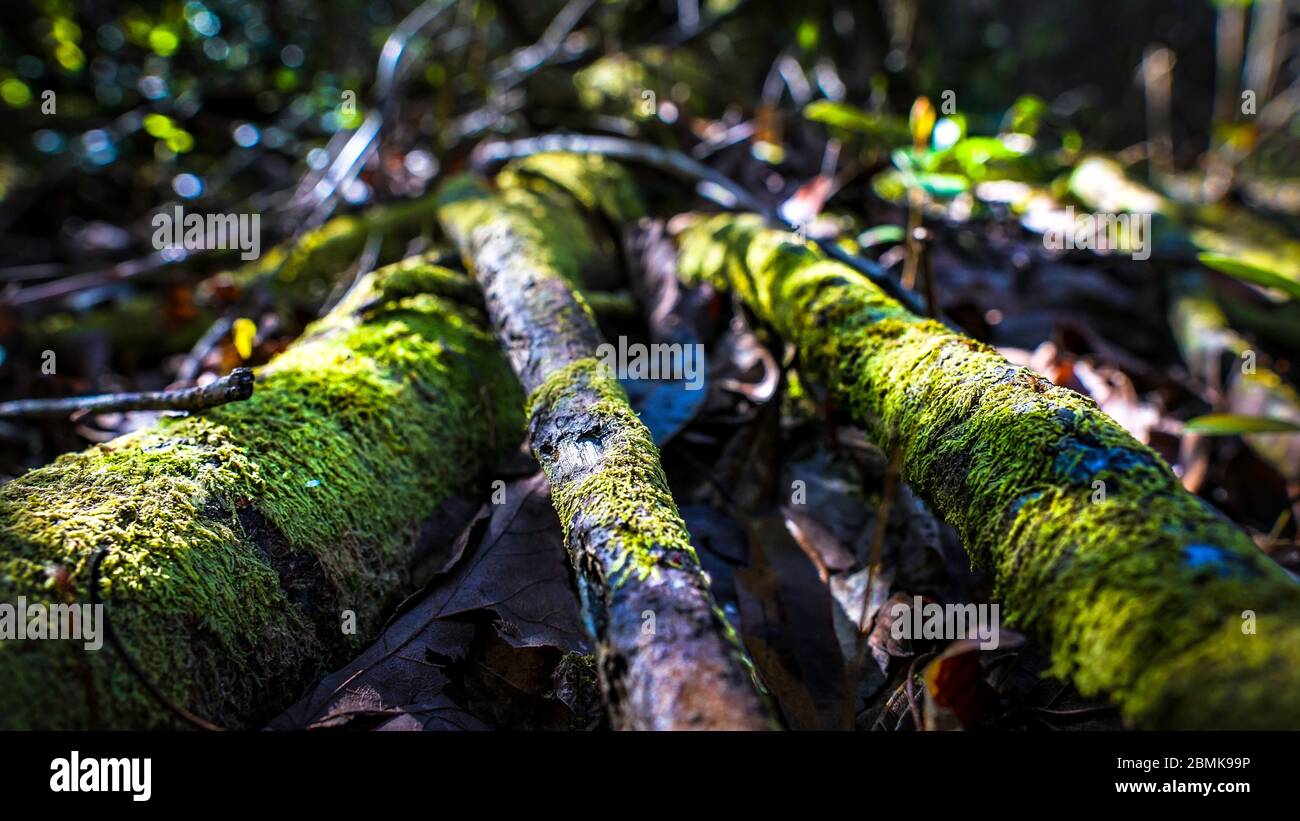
x=303 y=269
x=667 y=657
x=1140 y=589
x=239 y=536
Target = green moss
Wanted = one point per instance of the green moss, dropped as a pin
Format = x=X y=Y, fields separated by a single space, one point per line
x=418 y=275
x=131 y=325
x=351 y=439
x=627 y=494
x=617 y=84
x=304 y=269
x=1123 y=585
x=553 y=232
x=598 y=184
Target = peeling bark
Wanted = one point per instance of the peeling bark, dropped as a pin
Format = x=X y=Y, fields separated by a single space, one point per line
x=1138 y=588
x=238 y=536
x=667 y=657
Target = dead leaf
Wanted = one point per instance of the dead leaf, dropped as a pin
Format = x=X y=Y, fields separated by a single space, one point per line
x=787 y=628
x=513 y=573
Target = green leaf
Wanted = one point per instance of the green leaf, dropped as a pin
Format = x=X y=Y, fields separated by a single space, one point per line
x=943 y=186
x=886 y=128
x=880 y=235
x=1251 y=273
x=1232 y=424
x=891 y=185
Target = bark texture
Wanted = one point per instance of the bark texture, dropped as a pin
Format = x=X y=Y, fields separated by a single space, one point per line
x=1139 y=589
x=240 y=535
x=667 y=657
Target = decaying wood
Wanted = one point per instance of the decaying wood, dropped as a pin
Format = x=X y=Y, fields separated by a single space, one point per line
x=1139 y=589
x=667 y=657
x=247 y=549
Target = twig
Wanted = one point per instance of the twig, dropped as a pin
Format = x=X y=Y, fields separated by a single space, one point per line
x=917 y=720
x=925 y=267
x=317 y=194
x=683 y=166
x=525 y=61
x=233 y=387
x=66 y=286
x=504 y=96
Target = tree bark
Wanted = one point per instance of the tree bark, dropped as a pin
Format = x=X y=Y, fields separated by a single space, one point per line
x=1138 y=588
x=241 y=541
x=667 y=657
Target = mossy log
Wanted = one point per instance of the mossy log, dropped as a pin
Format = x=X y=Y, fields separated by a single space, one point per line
x=667 y=657
x=303 y=270
x=237 y=538
x=1139 y=589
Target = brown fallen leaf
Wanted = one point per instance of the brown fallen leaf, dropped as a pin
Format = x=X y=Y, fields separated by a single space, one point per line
x=787 y=627
x=434 y=658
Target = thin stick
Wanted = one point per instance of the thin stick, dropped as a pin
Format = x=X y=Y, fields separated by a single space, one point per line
x=925 y=267
x=235 y=386
x=683 y=166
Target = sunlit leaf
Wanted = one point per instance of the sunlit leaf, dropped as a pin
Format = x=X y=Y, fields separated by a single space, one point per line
x=880 y=235
x=943 y=186
x=243 y=332
x=882 y=127
x=921 y=121
x=1231 y=424
x=1250 y=273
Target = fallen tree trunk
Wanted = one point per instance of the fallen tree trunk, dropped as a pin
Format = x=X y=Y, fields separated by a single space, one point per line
x=255 y=546
x=667 y=658
x=1139 y=589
